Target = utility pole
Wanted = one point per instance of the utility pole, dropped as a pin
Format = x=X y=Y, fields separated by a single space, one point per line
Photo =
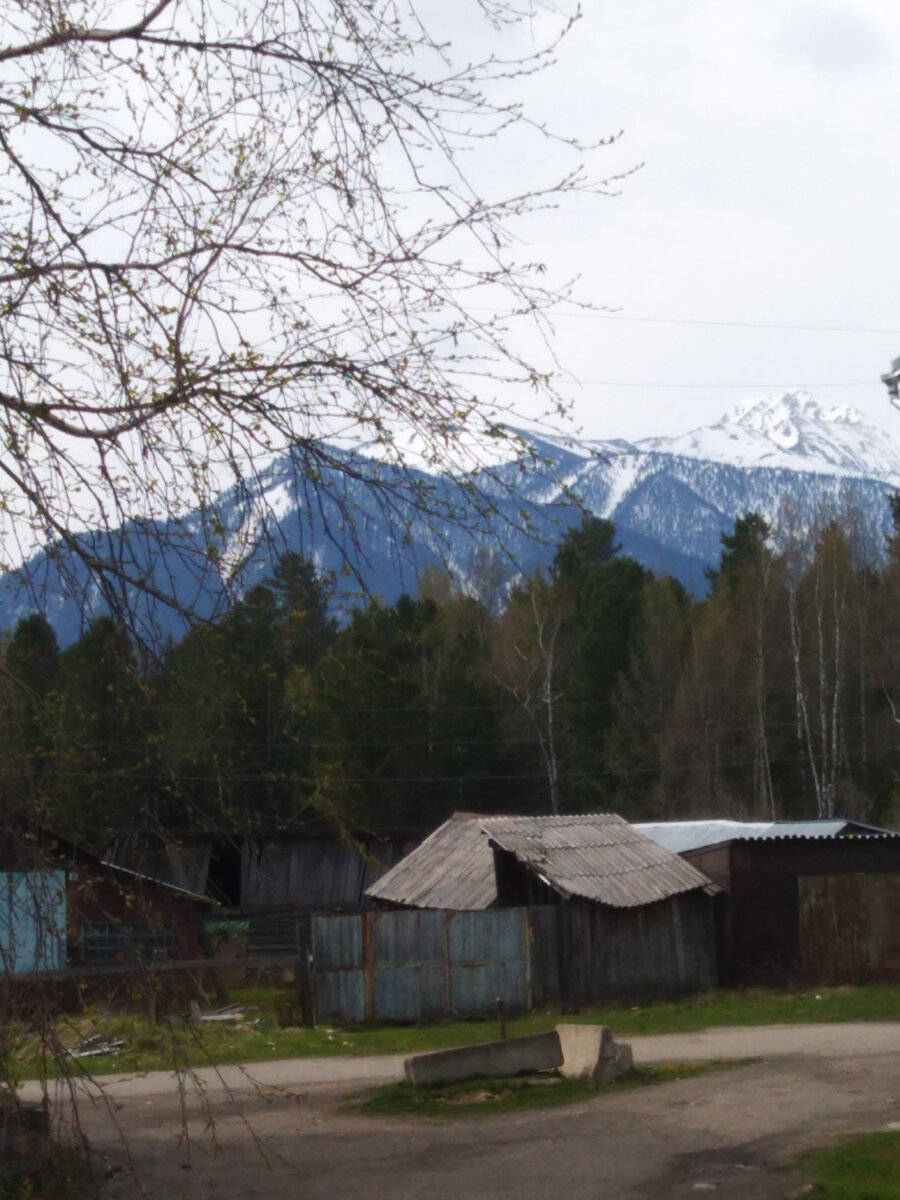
x=891 y=381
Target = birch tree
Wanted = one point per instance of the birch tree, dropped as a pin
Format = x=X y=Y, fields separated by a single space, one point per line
x=530 y=664
x=822 y=642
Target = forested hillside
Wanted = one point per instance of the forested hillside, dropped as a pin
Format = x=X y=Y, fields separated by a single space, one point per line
x=595 y=685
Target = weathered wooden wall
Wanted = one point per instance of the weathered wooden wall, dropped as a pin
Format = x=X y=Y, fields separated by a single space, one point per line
x=849 y=928
x=584 y=953
x=411 y=965
x=170 y=922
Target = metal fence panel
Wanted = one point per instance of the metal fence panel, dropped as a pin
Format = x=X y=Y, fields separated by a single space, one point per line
x=338 y=963
x=475 y=990
x=408 y=937
x=338 y=942
x=414 y=965
x=489 y=961
x=410 y=972
x=414 y=993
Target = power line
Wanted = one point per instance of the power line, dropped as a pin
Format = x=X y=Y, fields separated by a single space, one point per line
x=794 y=386
x=670 y=769
x=600 y=315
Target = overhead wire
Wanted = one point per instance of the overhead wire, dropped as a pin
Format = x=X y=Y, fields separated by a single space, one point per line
x=613 y=315
x=793 y=386
x=698 y=322
x=773 y=325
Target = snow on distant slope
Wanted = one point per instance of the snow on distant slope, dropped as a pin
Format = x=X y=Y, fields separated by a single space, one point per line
x=670 y=499
x=793 y=431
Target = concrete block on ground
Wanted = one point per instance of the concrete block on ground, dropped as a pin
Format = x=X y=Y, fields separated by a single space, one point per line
x=590 y=1052
x=512 y=1056
x=582 y=1047
x=614 y=1066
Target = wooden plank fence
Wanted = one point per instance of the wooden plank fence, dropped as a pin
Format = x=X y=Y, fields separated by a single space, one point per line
x=425 y=964
x=411 y=965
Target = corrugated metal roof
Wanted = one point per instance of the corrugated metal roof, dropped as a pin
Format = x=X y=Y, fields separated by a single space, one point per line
x=452 y=868
x=681 y=836
x=597 y=857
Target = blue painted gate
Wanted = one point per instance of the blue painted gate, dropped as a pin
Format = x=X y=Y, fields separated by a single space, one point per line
x=420 y=964
x=33 y=914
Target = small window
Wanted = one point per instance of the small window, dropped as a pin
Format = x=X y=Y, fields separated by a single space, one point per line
x=124 y=942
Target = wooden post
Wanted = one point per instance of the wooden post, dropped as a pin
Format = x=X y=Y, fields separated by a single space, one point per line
x=303 y=983
x=562 y=958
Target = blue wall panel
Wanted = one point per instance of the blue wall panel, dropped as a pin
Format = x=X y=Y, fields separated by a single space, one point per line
x=33 y=913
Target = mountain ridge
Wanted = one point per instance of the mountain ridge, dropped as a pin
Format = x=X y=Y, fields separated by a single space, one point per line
x=670 y=499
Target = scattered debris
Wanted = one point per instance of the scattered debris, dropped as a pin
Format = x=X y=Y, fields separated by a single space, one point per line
x=96 y=1044
x=231 y=1012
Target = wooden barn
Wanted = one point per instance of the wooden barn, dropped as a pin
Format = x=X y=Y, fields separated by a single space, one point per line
x=273 y=879
x=609 y=910
x=62 y=906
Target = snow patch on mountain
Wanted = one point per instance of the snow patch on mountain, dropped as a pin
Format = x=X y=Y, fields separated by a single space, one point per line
x=670 y=499
x=623 y=473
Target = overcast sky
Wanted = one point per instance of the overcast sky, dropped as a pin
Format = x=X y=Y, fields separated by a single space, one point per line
x=769 y=195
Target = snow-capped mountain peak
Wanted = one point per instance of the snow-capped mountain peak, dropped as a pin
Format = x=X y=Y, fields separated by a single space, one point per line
x=782 y=418
x=793 y=431
x=670 y=498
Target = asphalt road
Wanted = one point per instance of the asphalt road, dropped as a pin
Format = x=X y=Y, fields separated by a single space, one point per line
x=279 y=1129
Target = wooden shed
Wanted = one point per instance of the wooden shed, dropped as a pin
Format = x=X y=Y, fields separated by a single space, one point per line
x=609 y=910
x=62 y=906
x=806 y=902
x=273 y=880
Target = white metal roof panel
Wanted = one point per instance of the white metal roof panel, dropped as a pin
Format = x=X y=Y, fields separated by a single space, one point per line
x=681 y=836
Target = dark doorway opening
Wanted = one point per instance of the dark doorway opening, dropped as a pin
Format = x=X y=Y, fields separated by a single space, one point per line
x=224 y=878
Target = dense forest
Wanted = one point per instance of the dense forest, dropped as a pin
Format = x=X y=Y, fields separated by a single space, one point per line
x=594 y=686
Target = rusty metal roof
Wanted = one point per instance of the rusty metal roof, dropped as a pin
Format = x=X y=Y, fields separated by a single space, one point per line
x=681 y=836
x=598 y=856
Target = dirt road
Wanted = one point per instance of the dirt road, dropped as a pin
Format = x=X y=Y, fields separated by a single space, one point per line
x=730 y=1132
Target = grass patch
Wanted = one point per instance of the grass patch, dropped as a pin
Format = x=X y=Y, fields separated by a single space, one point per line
x=759 y=1006
x=545 y=1090
x=262 y=1035
x=174 y=1044
x=864 y=1168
